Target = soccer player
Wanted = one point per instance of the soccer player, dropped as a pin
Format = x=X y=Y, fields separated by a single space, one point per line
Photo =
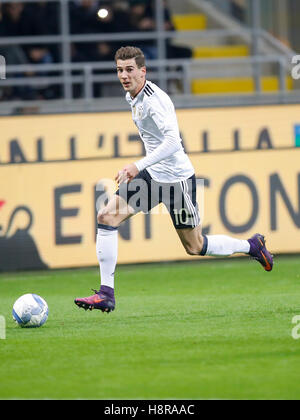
x=166 y=167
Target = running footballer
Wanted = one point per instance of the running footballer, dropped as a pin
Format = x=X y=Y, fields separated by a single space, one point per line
x=166 y=175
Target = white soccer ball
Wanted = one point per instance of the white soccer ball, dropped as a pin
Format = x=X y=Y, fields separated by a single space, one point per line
x=30 y=310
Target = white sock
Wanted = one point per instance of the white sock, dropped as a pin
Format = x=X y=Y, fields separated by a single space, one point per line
x=222 y=245
x=107 y=254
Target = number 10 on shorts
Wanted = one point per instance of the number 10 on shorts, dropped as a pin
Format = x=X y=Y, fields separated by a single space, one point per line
x=182 y=216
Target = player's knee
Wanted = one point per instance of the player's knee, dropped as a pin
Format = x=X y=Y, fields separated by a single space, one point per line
x=105 y=218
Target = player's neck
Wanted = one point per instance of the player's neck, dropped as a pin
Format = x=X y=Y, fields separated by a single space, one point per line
x=139 y=89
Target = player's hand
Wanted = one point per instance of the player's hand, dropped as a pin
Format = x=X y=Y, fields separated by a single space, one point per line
x=127 y=174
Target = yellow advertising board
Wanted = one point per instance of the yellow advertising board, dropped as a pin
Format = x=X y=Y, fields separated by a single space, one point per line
x=48 y=201
x=45 y=138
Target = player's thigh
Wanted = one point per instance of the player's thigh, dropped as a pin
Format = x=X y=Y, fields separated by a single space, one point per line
x=191 y=239
x=182 y=204
x=137 y=193
x=115 y=212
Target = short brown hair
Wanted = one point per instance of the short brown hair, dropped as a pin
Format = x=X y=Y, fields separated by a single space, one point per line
x=126 y=53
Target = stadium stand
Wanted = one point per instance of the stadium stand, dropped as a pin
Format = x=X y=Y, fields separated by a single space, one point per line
x=230 y=49
x=63 y=50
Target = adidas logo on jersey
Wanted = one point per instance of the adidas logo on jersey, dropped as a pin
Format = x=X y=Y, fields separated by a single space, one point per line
x=148 y=90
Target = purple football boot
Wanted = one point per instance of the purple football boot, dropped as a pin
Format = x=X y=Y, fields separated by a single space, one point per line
x=259 y=251
x=104 y=300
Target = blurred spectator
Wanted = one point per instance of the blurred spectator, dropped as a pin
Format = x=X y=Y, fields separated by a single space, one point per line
x=238 y=10
x=11 y=24
x=12 y=19
x=29 y=20
x=174 y=51
x=42 y=18
x=142 y=18
x=88 y=16
x=82 y=15
x=103 y=52
x=39 y=54
x=85 y=17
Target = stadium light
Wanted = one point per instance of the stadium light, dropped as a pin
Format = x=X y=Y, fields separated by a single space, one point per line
x=102 y=13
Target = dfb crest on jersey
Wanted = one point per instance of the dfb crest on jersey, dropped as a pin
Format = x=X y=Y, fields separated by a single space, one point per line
x=138 y=112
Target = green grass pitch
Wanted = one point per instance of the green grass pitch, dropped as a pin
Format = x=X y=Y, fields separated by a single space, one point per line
x=207 y=330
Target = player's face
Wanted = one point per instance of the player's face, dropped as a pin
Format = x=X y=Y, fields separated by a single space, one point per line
x=131 y=77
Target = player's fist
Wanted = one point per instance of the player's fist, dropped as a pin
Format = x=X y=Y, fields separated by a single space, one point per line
x=127 y=173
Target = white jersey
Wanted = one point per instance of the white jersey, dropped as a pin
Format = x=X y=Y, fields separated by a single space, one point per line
x=154 y=115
